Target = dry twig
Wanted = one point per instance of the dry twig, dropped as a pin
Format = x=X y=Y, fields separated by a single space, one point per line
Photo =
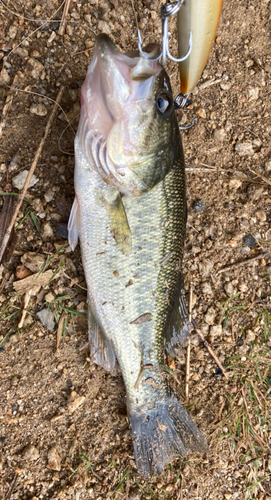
x=30 y=173
x=60 y=330
x=12 y=486
x=7 y=105
x=210 y=350
x=35 y=280
x=242 y=263
x=261 y=176
x=63 y=21
x=256 y=436
x=188 y=350
x=27 y=298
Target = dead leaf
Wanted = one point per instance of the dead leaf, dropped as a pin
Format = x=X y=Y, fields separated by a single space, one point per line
x=22 y=272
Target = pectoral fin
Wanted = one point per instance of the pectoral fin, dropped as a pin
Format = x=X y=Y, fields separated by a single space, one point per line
x=73 y=225
x=118 y=223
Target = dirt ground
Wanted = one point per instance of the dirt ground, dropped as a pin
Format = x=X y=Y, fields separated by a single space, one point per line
x=64 y=432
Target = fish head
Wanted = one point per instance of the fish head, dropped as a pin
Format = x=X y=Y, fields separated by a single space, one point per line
x=128 y=129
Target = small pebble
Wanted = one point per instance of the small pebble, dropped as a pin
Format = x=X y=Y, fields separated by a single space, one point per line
x=12 y=32
x=220 y=135
x=48 y=230
x=244 y=149
x=33 y=261
x=49 y=297
x=74 y=404
x=235 y=183
x=249 y=240
x=233 y=243
x=49 y=195
x=250 y=336
x=46 y=317
x=38 y=68
x=249 y=63
x=62 y=230
x=4 y=77
x=218 y=372
x=244 y=251
x=89 y=44
x=38 y=109
x=104 y=27
x=206 y=288
x=22 y=272
x=198 y=206
x=260 y=215
x=31 y=453
x=202 y=113
x=253 y=94
x=19 y=180
x=216 y=330
x=225 y=85
x=210 y=316
x=242 y=287
x=229 y=289
x=54 y=461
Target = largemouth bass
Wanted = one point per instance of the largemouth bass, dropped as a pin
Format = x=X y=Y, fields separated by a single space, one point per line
x=130 y=214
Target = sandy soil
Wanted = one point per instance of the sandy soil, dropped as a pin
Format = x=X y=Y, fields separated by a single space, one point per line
x=63 y=424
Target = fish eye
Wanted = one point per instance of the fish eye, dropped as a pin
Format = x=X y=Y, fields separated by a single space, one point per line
x=164 y=103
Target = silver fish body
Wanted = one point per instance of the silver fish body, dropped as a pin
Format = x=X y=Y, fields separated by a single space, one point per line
x=130 y=215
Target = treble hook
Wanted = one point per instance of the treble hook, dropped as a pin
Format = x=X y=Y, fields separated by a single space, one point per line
x=166 y=12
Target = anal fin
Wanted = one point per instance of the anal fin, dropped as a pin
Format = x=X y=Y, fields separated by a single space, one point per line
x=101 y=348
x=178 y=325
x=73 y=225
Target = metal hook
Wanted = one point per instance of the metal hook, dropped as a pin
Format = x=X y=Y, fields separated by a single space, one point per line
x=166 y=12
x=186 y=127
x=181 y=101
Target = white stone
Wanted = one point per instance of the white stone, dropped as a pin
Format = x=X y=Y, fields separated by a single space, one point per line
x=19 y=180
x=38 y=109
x=244 y=149
x=48 y=230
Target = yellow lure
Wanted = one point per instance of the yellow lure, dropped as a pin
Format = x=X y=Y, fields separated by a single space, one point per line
x=201 y=17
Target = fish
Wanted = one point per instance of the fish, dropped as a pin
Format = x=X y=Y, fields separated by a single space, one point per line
x=201 y=18
x=129 y=213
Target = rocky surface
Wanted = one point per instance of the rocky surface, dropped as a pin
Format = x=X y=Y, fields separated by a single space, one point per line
x=63 y=421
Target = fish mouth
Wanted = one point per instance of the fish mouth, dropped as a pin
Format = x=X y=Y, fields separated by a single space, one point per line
x=117 y=97
x=124 y=77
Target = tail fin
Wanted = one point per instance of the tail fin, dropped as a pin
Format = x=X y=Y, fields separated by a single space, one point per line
x=160 y=432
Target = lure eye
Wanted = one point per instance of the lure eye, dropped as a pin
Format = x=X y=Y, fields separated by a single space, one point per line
x=163 y=103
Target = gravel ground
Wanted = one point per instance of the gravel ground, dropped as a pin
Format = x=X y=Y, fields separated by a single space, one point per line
x=63 y=422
